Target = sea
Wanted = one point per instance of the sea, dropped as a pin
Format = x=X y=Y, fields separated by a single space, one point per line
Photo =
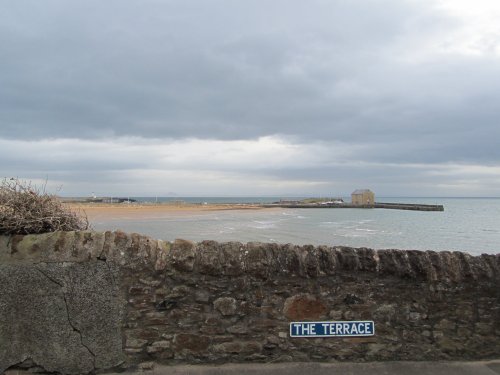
x=471 y=225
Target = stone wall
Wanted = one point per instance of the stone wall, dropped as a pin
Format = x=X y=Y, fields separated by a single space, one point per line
x=78 y=302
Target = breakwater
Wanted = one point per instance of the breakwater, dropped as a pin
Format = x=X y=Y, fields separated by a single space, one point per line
x=391 y=206
x=78 y=302
x=410 y=206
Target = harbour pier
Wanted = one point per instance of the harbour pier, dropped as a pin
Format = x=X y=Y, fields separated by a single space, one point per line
x=390 y=206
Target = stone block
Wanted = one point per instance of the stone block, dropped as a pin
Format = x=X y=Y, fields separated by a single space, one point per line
x=179 y=291
x=208 y=255
x=182 y=255
x=152 y=283
x=445 y=325
x=135 y=343
x=273 y=339
x=190 y=342
x=202 y=296
x=212 y=330
x=225 y=305
x=335 y=314
x=304 y=306
x=67 y=316
x=146 y=366
x=237 y=347
x=448 y=345
x=158 y=346
x=238 y=329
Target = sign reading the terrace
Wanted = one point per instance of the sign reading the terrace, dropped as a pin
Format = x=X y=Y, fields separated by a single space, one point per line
x=332 y=329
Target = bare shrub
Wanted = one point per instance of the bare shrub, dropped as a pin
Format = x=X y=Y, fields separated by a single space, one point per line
x=25 y=209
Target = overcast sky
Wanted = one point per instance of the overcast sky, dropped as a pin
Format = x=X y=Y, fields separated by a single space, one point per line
x=251 y=97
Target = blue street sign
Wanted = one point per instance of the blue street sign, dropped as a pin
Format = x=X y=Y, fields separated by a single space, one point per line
x=332 y=329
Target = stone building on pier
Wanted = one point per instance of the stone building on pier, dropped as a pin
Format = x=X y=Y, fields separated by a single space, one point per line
x=363 y=197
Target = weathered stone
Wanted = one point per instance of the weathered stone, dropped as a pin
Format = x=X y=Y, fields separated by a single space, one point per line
x=284 y=358
x=231 y=258
x=283 y=335
x=335 y=314
x=46 y=306
x=352 y=299
x=437 y=334
x=158 y=346
x=182 y=255
x=238 y=329
x=310 y=262
x=266 y=325
x=273 y=340
x=161 y=292
x=304 y=306
x=207 y=261
x=133 y=315
x=237 y=347
x=67 y=316
x=222 y=338
x=138 y=290
x=135 y=343
x=375 y=348
x=212 y=330
x=445 y=325
x=146 y=366
x=147 y=334
x=226 y=305
x=359 y=340
x=162 y=255
x=484 y=328
x=385 y=312
x=156 y=318
x=415 y=316
x=259 y=258
x=153 y=283
x=190 y=342
x=213 y=321
x=269 y=346
x=179 y=292
x=448 y=345
x=300 y=356
x=202 y=296
x=349 y=315
x=256 y=357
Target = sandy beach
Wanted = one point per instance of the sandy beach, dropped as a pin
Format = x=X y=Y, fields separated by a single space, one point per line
x=144 y=211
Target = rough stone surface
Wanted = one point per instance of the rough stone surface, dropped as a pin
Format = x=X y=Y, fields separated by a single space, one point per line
x=304 y=306
x=77 y=302
x=226 y=305
x=64 y=317
x=191 y=343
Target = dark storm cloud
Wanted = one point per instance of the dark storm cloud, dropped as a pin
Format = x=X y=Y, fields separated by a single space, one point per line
x=356 y=72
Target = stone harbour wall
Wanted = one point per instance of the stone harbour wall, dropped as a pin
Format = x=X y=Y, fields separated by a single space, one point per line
x=83 y=302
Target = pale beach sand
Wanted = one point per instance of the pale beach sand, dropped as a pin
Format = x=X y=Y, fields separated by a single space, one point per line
x=145 y=211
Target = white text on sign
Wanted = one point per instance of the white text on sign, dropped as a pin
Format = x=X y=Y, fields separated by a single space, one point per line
x=332 y=329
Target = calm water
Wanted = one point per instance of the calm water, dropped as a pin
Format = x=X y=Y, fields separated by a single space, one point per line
x=467 y=224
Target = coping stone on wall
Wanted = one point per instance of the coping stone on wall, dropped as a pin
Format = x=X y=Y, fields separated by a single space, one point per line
x=263 y=260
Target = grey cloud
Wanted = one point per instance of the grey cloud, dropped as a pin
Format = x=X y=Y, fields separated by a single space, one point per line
x=317 y=70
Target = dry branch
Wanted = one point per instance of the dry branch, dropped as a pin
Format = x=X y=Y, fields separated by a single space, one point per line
x=25 y=209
